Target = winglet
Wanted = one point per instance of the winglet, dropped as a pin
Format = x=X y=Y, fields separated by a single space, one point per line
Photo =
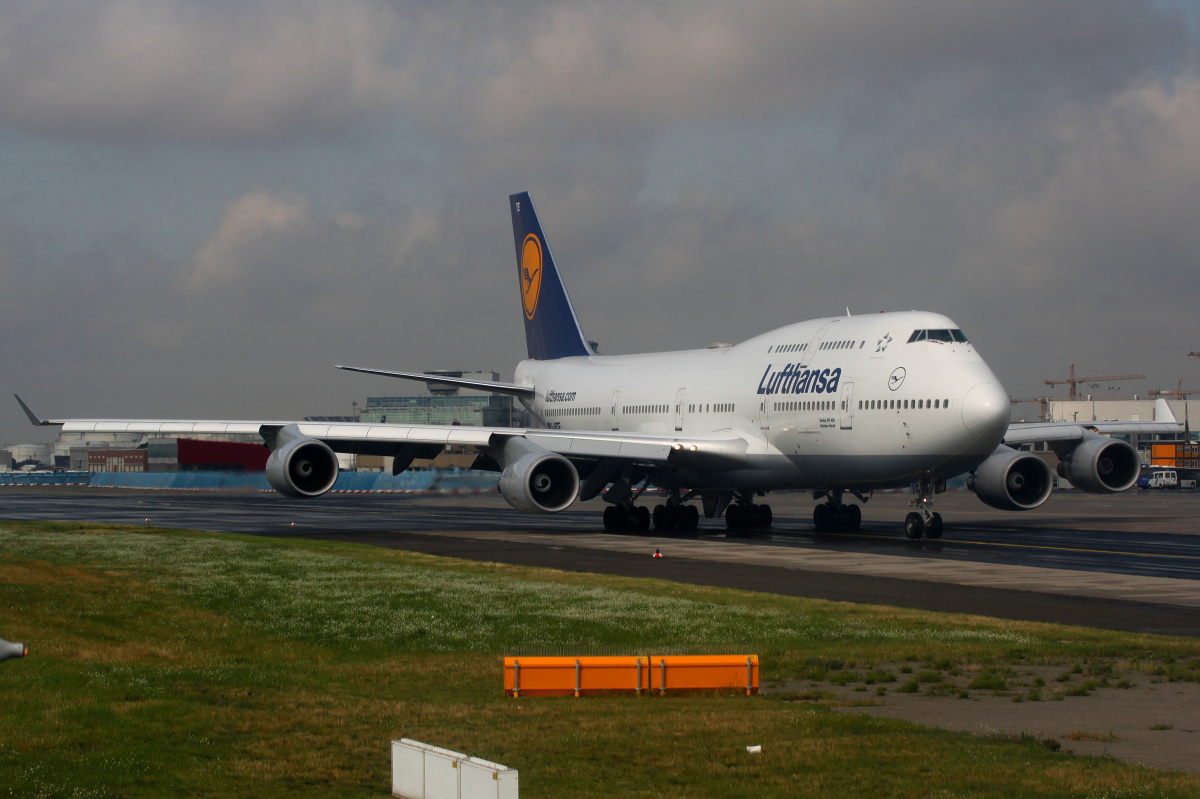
x=1162 y=411
x=33 y=417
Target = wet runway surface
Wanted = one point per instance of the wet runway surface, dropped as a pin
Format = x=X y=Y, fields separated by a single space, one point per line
x=1143 y=535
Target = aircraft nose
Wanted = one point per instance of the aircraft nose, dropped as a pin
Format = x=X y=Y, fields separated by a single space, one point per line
x=986 y=408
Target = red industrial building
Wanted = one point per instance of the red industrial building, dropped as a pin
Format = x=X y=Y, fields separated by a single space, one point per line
x=193 y=455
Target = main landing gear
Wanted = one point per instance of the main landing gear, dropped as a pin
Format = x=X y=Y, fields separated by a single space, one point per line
x=619 y=518
x=835 y=514
x=742 y=514
x=670 y=517
x=923 y=520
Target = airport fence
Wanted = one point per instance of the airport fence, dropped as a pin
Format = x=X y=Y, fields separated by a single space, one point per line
x=426 y=481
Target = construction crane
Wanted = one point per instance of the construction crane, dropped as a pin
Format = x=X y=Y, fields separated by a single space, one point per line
x=1179 y=392
x=1072 y=381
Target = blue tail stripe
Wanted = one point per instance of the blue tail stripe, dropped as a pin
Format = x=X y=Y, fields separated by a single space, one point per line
x=551 y=327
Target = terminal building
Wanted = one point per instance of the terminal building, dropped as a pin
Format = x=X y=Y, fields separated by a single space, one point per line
x=442 y=405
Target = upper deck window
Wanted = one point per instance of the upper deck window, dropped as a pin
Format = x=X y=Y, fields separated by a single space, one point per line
x=939 y=335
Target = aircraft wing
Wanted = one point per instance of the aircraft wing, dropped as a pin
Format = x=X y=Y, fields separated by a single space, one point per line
x=368 y=438
x=1164 y=422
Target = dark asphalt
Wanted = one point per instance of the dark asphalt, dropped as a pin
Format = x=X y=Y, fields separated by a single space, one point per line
x=1151 y=535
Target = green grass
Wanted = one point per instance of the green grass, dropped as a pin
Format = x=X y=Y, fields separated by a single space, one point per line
x=165 y=663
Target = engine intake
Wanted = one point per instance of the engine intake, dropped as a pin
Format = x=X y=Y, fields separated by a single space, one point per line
x=1012 y=480
x=536 y=480
x=301 y=467
x=1101 y=466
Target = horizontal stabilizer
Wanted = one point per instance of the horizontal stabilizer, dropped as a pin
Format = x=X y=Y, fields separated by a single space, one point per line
x=33 y=417
x=511 y=389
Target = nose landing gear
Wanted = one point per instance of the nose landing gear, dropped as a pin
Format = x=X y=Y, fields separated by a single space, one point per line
x=923 y=520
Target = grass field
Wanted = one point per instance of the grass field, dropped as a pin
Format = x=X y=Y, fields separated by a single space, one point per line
x=169 y=663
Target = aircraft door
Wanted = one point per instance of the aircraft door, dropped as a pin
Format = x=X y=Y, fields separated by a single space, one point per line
x=847 y=405
x=615 y=405
x=679 y=397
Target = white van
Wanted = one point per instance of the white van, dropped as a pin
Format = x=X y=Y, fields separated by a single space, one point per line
x=1168 y=478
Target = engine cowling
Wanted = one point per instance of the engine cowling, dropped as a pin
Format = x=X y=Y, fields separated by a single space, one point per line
x=536 y=480
x=1012 y=480
x=1101 y=466
x=302 y=468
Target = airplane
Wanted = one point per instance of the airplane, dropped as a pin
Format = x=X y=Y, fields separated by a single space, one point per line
x=839 y=406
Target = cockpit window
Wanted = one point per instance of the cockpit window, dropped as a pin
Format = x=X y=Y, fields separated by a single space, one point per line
x=939 y=335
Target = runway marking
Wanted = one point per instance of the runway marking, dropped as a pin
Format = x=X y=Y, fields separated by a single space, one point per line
x=1028 y=546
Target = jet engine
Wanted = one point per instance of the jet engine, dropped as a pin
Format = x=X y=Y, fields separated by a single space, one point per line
x=301 y=467
x=1012 y=480
x=1101 y=466
x=536 y=480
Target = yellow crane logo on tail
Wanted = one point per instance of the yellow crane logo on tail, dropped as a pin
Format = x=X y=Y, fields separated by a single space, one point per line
x=531 y=274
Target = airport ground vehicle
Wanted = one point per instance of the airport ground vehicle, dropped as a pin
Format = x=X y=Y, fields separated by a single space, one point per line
x=1169 y=478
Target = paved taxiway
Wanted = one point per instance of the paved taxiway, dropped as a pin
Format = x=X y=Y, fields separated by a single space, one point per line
x=1129 y=562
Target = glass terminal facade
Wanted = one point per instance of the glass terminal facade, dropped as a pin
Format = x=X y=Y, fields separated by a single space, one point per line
x=486 y=410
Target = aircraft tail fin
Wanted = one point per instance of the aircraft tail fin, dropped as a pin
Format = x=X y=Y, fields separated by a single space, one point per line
x=1163 y=412
x=551 y=328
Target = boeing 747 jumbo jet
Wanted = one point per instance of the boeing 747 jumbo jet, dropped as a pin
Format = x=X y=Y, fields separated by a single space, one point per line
x=839 y=407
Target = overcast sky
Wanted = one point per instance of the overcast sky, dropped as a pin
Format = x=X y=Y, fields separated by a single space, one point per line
x=204 y=205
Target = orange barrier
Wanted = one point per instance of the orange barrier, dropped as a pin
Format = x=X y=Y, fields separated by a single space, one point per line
x=568 y=676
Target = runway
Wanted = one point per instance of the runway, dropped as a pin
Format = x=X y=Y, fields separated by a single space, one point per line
x=1129 y=561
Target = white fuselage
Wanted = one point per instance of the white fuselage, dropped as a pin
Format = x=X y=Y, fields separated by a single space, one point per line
x=843 y=402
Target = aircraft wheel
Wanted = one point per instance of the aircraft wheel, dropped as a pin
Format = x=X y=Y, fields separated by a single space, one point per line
x=691 y=518
x=614 y=519
x=659 y=521
x=853 y=515
x=765 y=516
x=934 y=530
x=914 y=526
x=837 y=517
x=821 y=516
x=733 y=517
x=639 y=519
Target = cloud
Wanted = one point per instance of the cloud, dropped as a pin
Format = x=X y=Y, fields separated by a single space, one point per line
x=244 y=223
x=189 y=71
x=272 y=70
